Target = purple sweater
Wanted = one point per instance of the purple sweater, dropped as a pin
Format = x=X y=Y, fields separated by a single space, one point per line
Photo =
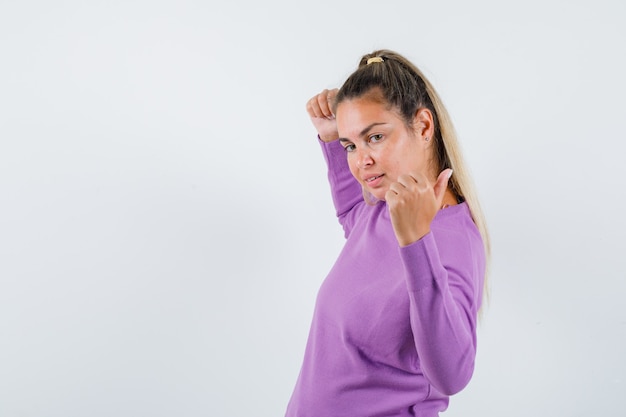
x=394 y=329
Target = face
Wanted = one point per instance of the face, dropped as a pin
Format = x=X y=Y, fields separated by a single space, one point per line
x=379 y=145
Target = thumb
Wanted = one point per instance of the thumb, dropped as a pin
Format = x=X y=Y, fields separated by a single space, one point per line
x=441 y=185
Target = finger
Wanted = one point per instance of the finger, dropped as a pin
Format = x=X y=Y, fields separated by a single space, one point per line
x=390 y=197
x=324 y=103
x=315 y=104
x=331 y=99
x=313 y=108
x=409 y=180
x=442 y=184
x=397 y=187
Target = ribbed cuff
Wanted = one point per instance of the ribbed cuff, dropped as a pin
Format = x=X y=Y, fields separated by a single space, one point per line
x=421 y=260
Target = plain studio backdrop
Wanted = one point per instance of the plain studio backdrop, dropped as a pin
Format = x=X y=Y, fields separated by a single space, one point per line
x=165 y=220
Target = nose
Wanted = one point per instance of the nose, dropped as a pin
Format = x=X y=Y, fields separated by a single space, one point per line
x=363 y=158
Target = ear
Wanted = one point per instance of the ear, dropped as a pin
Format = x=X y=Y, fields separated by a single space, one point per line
x=423 y=123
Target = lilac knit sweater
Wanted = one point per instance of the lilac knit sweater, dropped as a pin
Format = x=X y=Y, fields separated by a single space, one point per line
x=394 y=329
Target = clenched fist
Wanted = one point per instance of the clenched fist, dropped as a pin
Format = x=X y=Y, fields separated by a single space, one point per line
x=320 y=111
x=413 y=203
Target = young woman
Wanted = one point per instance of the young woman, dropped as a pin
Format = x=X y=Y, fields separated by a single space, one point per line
x=394 y=327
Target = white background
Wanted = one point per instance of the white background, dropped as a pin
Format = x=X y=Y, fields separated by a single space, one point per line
x=165 y=220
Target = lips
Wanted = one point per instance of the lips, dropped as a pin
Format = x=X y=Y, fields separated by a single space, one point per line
x=374 y=180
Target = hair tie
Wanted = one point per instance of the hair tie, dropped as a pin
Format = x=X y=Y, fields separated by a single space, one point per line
x=374 y=59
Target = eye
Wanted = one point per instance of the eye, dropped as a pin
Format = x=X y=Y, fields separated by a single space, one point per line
x=376 y=138
x=349 y=147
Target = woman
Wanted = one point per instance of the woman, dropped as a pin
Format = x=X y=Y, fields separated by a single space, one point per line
x=394 y=327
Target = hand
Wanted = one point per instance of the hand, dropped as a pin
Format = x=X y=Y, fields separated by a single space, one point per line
x=413 y=203
x=321 y=114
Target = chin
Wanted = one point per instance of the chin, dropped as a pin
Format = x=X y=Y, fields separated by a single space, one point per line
x=377 y=196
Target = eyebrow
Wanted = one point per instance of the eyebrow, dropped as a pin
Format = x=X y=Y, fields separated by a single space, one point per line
x=364 y=131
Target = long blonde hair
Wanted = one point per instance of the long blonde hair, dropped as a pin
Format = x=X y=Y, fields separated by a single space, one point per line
x=404 y=86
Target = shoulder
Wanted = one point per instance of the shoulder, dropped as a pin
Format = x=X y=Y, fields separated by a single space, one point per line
x=454 y=230
x=455 y=219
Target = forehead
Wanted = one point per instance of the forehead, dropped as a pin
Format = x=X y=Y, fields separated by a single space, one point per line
x=355 y=114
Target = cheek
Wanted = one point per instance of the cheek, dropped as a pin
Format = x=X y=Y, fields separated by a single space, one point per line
x=408 y=162
x=352 y=165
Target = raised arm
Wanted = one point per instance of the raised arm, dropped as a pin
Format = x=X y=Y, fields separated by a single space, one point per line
x=445 y=272
x=444 y=263
x=346 y=191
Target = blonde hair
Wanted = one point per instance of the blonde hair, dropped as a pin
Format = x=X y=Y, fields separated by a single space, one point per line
x=404 y=87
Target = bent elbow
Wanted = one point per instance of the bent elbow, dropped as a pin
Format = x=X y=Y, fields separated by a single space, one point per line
x=453 y=388
x=454 y=382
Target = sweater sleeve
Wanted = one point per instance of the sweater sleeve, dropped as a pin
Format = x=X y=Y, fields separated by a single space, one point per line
x=445 y=271
x=345 y=189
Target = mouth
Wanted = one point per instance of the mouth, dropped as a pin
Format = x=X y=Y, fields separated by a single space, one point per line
x=374 y=180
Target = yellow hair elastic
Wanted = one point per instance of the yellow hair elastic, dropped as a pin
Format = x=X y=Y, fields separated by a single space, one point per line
x=374 y=59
